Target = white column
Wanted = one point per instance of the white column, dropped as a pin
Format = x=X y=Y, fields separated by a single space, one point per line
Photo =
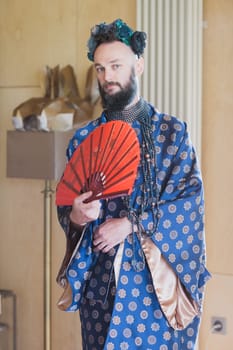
x=172 y=80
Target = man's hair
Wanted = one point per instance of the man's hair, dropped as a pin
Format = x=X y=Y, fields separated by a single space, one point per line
x=116 y=31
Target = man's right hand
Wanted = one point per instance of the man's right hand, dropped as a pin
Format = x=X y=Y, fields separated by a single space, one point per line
x=81 y=212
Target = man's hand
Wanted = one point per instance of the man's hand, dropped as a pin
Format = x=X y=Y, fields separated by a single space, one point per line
x=110 y=233
x=81 y=212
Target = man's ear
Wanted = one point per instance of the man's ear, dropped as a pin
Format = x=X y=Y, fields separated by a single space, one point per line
x=139 y=67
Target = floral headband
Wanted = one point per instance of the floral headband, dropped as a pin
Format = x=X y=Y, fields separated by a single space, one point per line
x=116 y=31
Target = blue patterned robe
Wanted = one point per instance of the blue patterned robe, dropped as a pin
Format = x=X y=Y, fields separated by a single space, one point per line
x=131 y=314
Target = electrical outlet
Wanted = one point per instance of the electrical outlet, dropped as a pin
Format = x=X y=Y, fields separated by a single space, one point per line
x=218 y=325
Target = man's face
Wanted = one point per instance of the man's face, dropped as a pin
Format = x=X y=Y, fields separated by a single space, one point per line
x=115 y=67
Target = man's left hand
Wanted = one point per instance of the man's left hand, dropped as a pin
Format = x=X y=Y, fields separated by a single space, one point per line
x=110 y=233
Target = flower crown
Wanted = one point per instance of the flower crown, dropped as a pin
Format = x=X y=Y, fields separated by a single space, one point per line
x=116 y=31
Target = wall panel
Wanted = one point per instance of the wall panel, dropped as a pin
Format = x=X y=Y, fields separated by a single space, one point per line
x=217 y=162
x=34 y=34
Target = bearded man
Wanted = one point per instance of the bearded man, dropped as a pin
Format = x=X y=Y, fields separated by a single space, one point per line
x=138 y=269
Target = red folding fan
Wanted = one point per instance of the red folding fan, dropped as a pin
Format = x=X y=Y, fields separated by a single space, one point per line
x=105 y=163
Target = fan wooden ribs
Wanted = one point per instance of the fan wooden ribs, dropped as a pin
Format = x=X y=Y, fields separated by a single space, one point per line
x=105 y=163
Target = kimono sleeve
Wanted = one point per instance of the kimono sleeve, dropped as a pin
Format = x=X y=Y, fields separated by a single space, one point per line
x=180 y=228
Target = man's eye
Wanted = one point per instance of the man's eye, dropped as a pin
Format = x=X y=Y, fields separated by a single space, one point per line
x=99 y=69
x=116 y=66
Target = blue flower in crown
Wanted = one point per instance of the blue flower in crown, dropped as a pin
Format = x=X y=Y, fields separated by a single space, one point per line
x=116 y=31
x=123 y=32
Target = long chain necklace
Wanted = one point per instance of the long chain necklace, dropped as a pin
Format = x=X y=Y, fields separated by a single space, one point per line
x=150 y=192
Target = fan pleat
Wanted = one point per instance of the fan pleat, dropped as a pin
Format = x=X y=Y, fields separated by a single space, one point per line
x=105 y=163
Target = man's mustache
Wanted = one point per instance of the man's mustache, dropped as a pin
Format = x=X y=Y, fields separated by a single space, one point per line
x=111 y=83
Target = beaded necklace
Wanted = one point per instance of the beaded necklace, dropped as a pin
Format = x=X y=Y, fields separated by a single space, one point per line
x=150 y=193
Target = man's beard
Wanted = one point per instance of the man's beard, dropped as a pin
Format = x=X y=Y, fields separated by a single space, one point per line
x=122 y=98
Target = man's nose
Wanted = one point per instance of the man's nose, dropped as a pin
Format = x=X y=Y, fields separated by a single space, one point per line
x=108 y=75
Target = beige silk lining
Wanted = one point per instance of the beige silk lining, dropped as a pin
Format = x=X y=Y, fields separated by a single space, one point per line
x=117 y=261
x=66 y=298
x=177 y=305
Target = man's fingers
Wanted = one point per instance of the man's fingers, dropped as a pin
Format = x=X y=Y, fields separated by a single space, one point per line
x=82 y=197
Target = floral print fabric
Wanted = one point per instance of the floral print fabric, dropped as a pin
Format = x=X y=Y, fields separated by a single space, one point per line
x=128 y=315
